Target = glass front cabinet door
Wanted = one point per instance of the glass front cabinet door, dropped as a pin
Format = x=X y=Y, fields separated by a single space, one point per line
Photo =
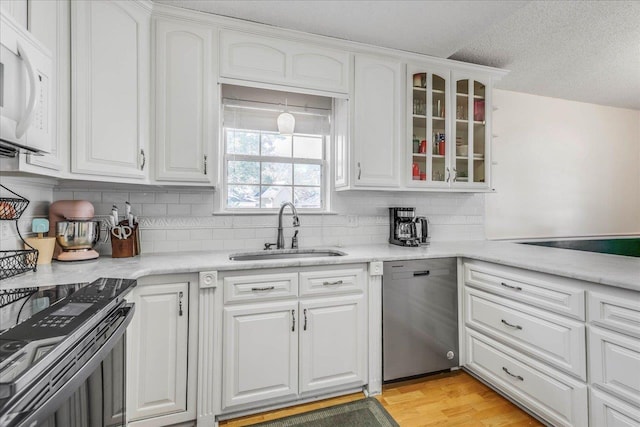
x=471 y=141
x=448 y=130
x=428 y=127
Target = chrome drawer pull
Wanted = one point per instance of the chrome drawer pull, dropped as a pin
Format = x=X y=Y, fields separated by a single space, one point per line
x=267 y=288
x=421 y=273
x=337 y=282
x=293 y=320
x=514 y=376
x=510 y=325
x=517 y=288
x=305 y=319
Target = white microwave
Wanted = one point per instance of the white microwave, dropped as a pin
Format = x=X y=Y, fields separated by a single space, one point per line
x=25 y=90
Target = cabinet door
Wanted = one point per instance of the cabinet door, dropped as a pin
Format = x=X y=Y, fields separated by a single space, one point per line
x=260 y=353
x=428 y=101
x=110 y=89
x=471 y=166
x=16 y=9
x=378 y=124
x=158 y=340
x=333 y=341
x=184 y=101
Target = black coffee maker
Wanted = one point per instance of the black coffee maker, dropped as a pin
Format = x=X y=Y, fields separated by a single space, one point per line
x=405 y=229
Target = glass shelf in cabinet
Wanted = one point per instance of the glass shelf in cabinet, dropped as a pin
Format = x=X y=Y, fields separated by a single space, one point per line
x=466 y=95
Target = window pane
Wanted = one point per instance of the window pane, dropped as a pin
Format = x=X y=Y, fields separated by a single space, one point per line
x=276 y=173
x=241 y=142
x=306 y=174
x=274 y=196
x=308 y=197
x=243 y=196
x=307 y=147
x=274 y=144
x=243 y=172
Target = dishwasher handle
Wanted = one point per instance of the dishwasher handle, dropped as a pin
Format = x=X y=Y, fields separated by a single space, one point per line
x=421 y=273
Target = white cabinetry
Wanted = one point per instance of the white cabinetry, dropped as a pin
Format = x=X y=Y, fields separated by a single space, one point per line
x=18 y=9
x=185 y=106
x=110 y=88
x=523 y=351
x=283 y=342
x=377 y=126
x=162 y=353
x=614 y=357
x=260 y=352
x=260 y=58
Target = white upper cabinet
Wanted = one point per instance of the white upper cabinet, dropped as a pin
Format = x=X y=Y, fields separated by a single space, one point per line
x=259 y=58
x=110 y=88
x=185 y=107
x=378 y=124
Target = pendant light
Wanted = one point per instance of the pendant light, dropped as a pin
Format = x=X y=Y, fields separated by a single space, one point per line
x=286 y=122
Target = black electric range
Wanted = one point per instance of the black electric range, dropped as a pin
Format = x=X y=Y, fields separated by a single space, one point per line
x=52 y=339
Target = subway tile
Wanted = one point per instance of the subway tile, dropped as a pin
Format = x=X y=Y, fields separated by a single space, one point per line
x=142 y=197
x=195 y=198
x=190 y=245
x=91 y=196
x=153 y=235
x=167 y=198
x=115 y=197
x=154 y=210
x=201 y=210
x=201 y=234
x=178 y=210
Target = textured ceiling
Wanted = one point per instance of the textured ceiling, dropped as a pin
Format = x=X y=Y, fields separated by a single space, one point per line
x=578 y=50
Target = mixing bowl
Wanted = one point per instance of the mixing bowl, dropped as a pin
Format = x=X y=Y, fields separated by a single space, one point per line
x=77 y=235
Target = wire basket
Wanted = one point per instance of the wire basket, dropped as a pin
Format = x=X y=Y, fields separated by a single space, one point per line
x=14 y=262
x=18 y=261
x=12 y=208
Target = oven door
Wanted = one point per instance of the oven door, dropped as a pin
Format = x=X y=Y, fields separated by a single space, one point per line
x=95 y=395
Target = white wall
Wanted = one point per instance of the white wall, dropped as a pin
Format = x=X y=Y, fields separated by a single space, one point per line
x=563 y=168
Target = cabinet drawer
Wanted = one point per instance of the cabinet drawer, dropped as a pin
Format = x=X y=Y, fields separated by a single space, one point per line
x=557 y=398
x=552 y=293
x=333 y=281
x=260 y=287
x=607 y=411
x=620 y=312
x=549 y=337
x=614 y=363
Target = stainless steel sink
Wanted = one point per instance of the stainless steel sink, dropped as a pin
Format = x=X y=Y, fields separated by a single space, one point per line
x=285 y=254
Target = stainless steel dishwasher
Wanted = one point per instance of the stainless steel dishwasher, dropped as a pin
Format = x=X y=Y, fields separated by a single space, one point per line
x=419 y=317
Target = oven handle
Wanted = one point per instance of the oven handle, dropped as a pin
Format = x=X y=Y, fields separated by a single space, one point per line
x=60 y=396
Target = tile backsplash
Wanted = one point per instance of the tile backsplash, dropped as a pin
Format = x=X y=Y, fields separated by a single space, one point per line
x=182 y=219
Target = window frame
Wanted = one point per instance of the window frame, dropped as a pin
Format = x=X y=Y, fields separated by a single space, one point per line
x=324 y=164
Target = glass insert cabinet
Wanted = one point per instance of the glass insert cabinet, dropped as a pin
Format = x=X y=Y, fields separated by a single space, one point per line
x=448 y=129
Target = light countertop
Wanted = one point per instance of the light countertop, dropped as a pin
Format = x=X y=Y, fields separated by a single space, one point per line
x=612 y=270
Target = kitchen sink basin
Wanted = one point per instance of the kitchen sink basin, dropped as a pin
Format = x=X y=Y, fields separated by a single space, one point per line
x=285 y=254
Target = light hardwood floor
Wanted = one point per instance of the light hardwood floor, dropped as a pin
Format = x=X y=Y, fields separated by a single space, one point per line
x=451 y=399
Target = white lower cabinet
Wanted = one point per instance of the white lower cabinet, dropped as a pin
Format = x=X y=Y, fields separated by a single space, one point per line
x=556 y=397
x=162 y=341
x=260 y=352
x=332 y=345
x=607 y=411
x=278 y=347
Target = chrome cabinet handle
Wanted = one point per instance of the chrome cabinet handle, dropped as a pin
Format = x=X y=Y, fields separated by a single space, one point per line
x=510 y=325
x=144 y=159
x=337 y=282
x=305 y=319
x=266 y=288
x=516 y=288
x=293 y=320
x=359 y=171
x=448 y=174
x=421 y=273
x=180 y=295
x=205 y=164
x=455 y=175
x=514 y=376
x=27 y=116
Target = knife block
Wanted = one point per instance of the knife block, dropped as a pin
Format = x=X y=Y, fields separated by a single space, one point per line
x=126 y=248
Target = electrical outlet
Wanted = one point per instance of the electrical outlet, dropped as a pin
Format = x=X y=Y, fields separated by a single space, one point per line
x=375 y=268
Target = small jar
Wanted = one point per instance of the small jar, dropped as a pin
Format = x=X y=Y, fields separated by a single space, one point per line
x=423 y=146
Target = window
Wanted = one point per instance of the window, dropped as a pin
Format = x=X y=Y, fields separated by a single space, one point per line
x=263 y=168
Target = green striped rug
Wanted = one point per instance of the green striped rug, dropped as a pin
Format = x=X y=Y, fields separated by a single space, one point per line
x=360 y=413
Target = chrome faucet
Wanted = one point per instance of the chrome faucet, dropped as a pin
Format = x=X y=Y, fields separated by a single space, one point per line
x=296 y=222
